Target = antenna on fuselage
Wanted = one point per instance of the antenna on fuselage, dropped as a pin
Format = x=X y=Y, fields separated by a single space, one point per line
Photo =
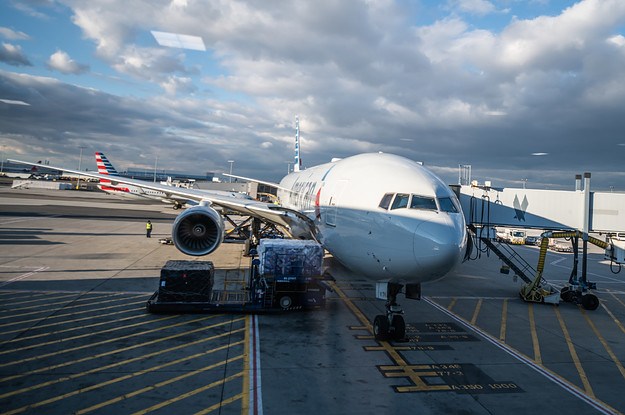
x=298 y=161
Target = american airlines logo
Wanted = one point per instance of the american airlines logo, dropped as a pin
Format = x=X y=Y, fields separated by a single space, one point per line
x=520 y=208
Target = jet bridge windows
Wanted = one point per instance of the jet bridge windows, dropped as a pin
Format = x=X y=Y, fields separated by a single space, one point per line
x=401 y=201
x=422 y=202
x=447 y=205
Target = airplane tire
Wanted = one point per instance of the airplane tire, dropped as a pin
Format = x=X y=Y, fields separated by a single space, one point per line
x=380 y=327
x=176 y=206
x=399 y=327
x=590 y=302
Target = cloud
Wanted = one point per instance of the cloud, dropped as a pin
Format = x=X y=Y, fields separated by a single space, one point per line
x=60 y=61
x=478 y=7
x=13 y=55
x=362 y=77
x=7 y=33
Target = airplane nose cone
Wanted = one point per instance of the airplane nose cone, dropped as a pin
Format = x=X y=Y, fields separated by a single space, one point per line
x=437 y=246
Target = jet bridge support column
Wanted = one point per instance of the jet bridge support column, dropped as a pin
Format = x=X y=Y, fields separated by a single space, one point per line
x=586 y=225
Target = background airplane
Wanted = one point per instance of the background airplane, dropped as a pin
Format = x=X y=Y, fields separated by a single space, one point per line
x=137 y=192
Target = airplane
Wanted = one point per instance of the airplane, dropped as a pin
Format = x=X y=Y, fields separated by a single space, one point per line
x=17 y=172
x=382 y=216
x=137 y=192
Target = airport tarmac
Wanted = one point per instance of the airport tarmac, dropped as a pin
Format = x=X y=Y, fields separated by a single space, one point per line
x=76 y=270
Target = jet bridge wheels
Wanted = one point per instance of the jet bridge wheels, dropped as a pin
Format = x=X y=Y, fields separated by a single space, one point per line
x=588 y=301
x=382 y=330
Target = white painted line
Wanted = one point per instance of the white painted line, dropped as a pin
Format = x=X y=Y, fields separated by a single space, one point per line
x=77 y=292
x=256 y=398
x=589 y=273
x=23 y=276
x=546 y=373
x=558 y=260
x=473 y=298
x=15 y=266
x=25 y=220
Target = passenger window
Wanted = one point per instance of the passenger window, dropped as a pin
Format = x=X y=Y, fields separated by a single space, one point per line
x=421 y=202
x=447 y=205
x=386 y=201
x=401 y=201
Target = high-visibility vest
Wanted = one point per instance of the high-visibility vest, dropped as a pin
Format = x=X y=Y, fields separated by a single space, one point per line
x=149 y=226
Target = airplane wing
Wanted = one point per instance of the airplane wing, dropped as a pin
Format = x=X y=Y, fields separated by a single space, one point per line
x=276 y=185
x=271 y=213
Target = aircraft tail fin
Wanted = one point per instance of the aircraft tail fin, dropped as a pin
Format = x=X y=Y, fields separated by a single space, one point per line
x=105 y=166
x=298 y=162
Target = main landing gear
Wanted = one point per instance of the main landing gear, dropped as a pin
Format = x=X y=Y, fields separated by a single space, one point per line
x=392 y=326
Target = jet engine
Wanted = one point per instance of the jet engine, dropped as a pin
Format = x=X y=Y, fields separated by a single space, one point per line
x=198 y=230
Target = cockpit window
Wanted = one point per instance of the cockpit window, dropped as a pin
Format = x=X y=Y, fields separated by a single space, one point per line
x=386 y=201
x=422 y=202
x=447 y=205
x=401 y=201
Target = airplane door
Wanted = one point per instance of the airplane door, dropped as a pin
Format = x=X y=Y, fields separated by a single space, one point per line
x=333 y=203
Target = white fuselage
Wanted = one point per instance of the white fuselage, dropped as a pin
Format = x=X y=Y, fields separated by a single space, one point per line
x=408 y=244
x=132 y=192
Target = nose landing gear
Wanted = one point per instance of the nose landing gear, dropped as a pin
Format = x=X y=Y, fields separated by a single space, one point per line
x=392 y=326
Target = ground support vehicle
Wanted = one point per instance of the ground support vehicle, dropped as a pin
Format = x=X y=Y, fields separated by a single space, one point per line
x=288 y=283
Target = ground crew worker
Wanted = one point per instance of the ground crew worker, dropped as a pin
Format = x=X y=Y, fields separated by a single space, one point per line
x=148 y=227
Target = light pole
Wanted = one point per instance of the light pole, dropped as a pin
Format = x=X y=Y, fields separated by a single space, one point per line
x=288 y=167
x=230 y=161
x=155 y=162
x=2 y=167
x=79 y=166
x=611 y=189
x=524 y=181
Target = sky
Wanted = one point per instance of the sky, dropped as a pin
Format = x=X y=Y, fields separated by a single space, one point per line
x=525 y=92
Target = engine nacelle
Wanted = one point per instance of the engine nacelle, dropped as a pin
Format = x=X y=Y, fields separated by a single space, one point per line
x=198 y=231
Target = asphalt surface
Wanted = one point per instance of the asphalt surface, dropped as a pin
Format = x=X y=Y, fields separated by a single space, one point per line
x=76 y=271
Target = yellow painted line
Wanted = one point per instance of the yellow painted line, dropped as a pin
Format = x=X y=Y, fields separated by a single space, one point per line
x=476 y=312
x=70 y=307
x=357 y=328
x=578 y=364
x=96 y=344
x=220 y=404
x=616 y=298
x=504 y=317
x=603 y=342
x=158 y=385
x=618 y=323
x=537 y=357
x=369 y=337
x=245 y=402
x=552 y=373
x=71 y=314
x=74 y=328
x=415 y=367
x=77 y=319
x=95 y=333
x=355 y=310
x=390 y=350
x=94 y=407
x=384 y=348
x=188 y=394
x=135 y=359
x=449 y=307
x=33 y=301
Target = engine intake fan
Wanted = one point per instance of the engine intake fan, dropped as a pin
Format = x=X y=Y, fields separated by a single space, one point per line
x=198 y=231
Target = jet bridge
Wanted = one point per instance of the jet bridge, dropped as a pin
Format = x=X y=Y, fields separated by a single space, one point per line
x=577 y=212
